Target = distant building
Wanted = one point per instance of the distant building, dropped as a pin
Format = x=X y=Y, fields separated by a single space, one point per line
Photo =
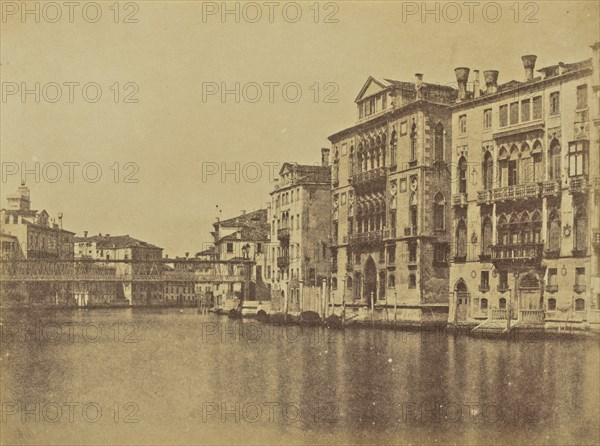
x=243 y=238
x=525 y=157
x=32 y=234
x=38 y=235
x=140 y=280
x=300 y=218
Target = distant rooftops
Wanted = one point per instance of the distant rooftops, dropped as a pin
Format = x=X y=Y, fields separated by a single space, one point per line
x=108 y=241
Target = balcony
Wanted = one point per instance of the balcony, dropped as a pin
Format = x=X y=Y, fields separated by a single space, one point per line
x=459 y=199
x=283 y=233
x=484 y=287
x=389 y=233
x=596 y=239
x=369 y=180
x=526 y=253
x=518 y=192
x=484 y=197
x=410 y=231
x=578 y=184
x=503 y=288
x=551 y=288
x=550 y=188
x=578 y=288
x=283 y=262
x=366 y=238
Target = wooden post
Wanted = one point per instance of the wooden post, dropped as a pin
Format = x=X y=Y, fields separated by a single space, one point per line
x=372 y=308
x=395 y=304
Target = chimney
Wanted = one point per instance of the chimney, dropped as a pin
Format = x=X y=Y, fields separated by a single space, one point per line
x=243 y=211
x=324 y=157
x=491 y=81
x=462 y=75
x=561 y=68
x=99 y=234
x=529 y=65
x=476 y=90
x=85 y=233
x=419 y=85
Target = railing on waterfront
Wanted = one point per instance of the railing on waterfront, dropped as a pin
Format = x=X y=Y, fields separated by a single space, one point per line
x=499 y=314
x=532 y=316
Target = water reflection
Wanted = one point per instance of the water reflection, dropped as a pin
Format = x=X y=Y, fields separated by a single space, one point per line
x=203 y=379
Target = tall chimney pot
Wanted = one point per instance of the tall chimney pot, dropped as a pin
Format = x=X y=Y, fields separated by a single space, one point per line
x=85 y=233
x=462 y=76
x=476 y=90
x=419 y=85
x=324 y=156
x=529 y=65
x=491 y=81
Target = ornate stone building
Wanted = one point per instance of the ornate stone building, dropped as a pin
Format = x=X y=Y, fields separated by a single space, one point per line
x=390 y=192
x=525 y=177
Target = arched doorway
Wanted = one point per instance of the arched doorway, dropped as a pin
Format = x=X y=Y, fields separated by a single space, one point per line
x=370 y=275
x=461 y=293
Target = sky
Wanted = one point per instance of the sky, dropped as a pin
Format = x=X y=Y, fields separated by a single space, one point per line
x=130 y=133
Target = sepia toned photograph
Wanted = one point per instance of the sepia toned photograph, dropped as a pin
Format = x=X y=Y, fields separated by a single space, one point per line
x=299 y=222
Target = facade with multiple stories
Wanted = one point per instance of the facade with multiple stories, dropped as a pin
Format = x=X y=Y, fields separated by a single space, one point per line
x=300 y=218
x=390 y=196
x=525 y=169
x=242 y=238
x=130 y=260
x=32 y=234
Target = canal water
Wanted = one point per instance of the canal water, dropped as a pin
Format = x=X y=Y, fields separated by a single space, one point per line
x=170 y=376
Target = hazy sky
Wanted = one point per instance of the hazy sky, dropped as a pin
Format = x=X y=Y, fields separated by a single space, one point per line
x=171 y=54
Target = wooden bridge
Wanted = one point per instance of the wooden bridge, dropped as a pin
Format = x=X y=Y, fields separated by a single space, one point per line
x=159 y=270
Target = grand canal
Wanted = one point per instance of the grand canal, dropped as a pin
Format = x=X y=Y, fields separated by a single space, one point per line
x=176 y=377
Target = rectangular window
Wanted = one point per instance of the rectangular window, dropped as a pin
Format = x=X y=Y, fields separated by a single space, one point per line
x=412 y=252
x=514 y=113
x=554 y=103
x=485 y=280
x=371 y=106
x=579 y=276
x=391 y=252
x=462 y=124
x=440 y=252
x=552 y=276
x=229 y=247
x=578 y=158
x=487 y=118
x=503 y=115
x=403 y=128
x=582 y=97
x=537 y=107
x=512 y=173
x=503 y=280
x=525 y=110
x=384 y=101
x=343 y=198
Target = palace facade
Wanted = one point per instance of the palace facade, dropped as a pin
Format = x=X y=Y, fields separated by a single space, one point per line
x=390 y=196
x=525 y=191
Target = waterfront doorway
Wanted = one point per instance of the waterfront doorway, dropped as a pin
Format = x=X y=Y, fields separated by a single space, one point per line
x=461 y=293
x=370 y=291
